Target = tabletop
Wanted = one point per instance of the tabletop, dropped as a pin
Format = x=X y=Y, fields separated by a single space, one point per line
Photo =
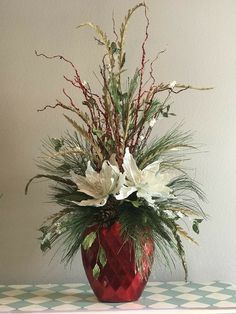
x=158 y=297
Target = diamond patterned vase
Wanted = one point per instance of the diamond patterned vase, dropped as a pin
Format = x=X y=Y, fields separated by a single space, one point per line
x=119 y=280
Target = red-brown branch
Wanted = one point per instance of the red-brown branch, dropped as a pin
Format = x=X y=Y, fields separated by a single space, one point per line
x=67 y=61
x=141 y=71
x=78 y=78
x=77 y=110
x=92 y=94
x=151 y=67
x=58 y=104
x=149 y=99
x=71 y=81
x=70 y=99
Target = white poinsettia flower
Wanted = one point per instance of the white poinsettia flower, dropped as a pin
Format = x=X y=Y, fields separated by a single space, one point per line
x=98 y=185
x=149 y=183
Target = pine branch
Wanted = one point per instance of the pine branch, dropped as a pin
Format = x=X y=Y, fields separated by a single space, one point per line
x=51 y=177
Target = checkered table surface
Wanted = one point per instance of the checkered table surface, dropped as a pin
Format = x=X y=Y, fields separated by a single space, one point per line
x=158 y=297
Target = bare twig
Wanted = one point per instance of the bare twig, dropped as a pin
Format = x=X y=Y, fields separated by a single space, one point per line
x=151 y=66
x=58 y=104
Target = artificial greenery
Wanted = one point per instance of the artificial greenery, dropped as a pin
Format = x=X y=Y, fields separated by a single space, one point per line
x=112 y=130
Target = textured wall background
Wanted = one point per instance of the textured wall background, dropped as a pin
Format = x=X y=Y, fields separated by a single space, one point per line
x=201 y=50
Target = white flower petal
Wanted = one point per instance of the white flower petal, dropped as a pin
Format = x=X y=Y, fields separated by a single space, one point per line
x=98 y=185
x=91 y=175
x=147 y=196
x=153 y=167
x=132 y=172
x=83 y=184
x=125 y=191
x=150 y=183
x=92 y=202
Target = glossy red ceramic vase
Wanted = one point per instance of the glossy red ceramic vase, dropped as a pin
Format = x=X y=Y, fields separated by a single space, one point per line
x=119 y=280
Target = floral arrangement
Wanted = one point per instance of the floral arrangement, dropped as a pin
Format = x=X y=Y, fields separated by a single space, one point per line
x=108 y=170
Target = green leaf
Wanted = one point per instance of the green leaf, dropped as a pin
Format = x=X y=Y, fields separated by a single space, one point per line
x=115 y=94
x=88 y=240
x=98 y=133
x=102 y=256
x=45 y=244
x=113 y=47
x=135 y=203
x=153 y=109
x=96 y=271
x=44 y=230
x=199 y=220
x=165 y=114
x=122 y=61
x=195 y=226
x=57 y=144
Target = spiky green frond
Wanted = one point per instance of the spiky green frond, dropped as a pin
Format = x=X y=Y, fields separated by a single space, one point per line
x=60 y=156
x=145 y=222
x=184 y=184
x=127 y=112
x=173 y=141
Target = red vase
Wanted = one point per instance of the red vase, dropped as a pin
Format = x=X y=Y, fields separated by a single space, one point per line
x=119 y=280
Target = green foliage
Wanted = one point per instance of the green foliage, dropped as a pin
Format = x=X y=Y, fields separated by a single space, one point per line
x=185 y=183
x=115 y=94
x=102 y=256
x=195 y=225
x=96 y=271
x=45 y=239
x=51 y=177
x=170 y=144
x=155 y=107
x=146 y=223
x=89 y=240
x=161 y=223
x=127 y=106
x=58 y=143
x=71 y=156
x=138 y=219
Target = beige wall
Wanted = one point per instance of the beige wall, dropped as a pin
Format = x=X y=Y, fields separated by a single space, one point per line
x=201 y=50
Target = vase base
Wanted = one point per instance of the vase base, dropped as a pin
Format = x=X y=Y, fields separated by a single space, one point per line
x=117 y=301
